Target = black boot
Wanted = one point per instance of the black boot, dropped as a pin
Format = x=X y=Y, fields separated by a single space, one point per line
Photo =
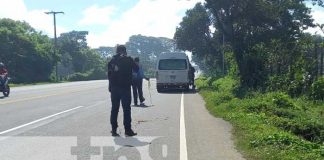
x=142 y=100
x=114 y=133
x=130 y=133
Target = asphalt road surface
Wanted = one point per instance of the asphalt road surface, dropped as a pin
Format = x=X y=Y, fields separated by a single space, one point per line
x=70 y=121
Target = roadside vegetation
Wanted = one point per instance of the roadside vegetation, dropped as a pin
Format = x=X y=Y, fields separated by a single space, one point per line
x=262 y=72
x=267 y=125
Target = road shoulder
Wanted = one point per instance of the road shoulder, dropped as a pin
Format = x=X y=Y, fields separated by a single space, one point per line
x=207 y=137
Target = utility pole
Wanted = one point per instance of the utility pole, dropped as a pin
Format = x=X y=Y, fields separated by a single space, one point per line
x=223 y=50
x=55 y=41
x=321 y=50
x=322 y=56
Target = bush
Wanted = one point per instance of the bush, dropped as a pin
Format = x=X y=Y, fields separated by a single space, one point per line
x=202 y=83
x=309 y=129
x=282 y=100
x=295 y=87
x=94 y=74
x=258 y=106
x=317 y=89
x=276 y=83
x=98 y=73
x=221 y=97
x=226 y=84
x=275 y=125
x=79 y=76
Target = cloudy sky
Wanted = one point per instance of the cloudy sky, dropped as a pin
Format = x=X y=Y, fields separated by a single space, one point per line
x=109 y=22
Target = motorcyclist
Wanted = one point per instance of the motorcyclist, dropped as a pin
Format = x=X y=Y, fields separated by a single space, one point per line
x=3 y=72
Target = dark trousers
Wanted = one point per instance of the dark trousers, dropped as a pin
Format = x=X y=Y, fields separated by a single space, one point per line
x=192 y=79
x=122 y=95
x=138 y=90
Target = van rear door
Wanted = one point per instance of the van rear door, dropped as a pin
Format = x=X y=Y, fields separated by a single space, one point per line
x=172 y=71
x=172 y=77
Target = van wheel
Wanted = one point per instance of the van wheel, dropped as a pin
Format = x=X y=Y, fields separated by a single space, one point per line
x=159 y=89
x=186 y=88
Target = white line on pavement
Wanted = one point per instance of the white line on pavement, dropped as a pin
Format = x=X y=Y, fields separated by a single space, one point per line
x=183 y=141
x=36 y=121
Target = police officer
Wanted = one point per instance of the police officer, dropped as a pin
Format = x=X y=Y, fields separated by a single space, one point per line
x=120 y=79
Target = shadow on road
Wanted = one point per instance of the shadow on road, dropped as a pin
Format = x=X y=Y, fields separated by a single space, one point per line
x=143 y=106
x=130 y=142
x=178 y=91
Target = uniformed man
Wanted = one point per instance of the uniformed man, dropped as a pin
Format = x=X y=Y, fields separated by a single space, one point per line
x=120 y=79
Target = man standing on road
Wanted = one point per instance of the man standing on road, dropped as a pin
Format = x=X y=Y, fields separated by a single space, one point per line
x=192 y=75
x=137 y=84
x=120 y=79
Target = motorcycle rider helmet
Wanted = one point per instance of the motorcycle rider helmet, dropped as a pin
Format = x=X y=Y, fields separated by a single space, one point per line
x=2 y=65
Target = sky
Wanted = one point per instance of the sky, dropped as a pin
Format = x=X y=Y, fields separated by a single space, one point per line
x=109 y=22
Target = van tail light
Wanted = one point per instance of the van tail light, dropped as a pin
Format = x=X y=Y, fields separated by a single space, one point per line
x=157 y=75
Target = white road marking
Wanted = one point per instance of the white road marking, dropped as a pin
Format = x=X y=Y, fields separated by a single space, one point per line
x=183 y=140
x=39 y=120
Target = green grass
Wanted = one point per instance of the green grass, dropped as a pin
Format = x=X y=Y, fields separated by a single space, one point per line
x=267 y=126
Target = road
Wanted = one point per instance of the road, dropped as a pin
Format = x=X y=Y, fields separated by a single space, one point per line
x=71 y=121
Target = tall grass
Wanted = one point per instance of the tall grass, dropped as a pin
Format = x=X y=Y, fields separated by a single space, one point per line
x=267 y=125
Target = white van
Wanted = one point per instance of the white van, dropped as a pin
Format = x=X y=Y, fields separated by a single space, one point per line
x=172 y=71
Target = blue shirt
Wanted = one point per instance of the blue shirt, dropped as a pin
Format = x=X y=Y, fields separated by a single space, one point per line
x=140 y=74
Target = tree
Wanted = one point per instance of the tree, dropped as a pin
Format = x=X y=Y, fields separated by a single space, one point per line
x=25 y=51
x=105 y=52
x=85 y=61
x=74 y=43
x=246 y=25
x=194 y=35
x=148 y=49
x=251 y=22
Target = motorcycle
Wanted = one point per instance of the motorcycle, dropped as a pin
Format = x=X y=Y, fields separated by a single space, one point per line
x=4 y=85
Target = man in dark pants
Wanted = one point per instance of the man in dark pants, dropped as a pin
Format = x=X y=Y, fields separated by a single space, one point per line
x=120 y=79
x=192 y=76
x=137 y=84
